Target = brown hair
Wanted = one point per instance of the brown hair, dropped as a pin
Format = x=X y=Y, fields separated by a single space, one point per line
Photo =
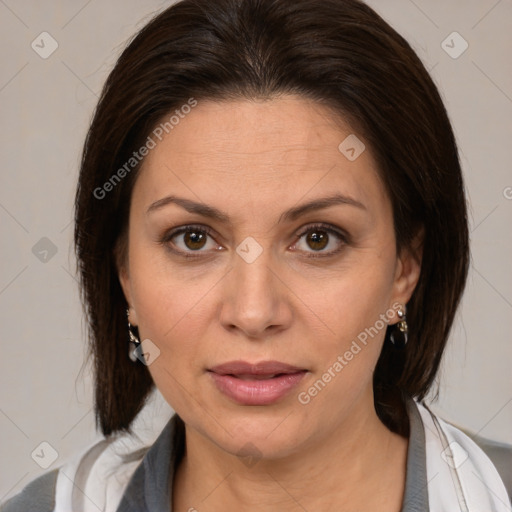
x=338 y=52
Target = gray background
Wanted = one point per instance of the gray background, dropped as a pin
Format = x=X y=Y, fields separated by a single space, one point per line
x=46 y=105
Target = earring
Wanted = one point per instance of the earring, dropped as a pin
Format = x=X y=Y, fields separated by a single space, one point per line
x=134 y=341
x=399 y=332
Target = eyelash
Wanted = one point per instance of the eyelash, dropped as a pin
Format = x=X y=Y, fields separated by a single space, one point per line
x=208 y=231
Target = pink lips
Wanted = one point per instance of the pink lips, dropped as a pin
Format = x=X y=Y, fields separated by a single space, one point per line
x=256 y=384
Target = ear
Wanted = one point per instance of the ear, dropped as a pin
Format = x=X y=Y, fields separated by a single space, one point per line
x=123 y=273
x=408 y=269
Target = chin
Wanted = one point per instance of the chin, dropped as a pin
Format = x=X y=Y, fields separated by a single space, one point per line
x=269 y=433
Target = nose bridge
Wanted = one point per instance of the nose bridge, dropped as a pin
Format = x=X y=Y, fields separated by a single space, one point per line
x=253 y=267
x=255 y=301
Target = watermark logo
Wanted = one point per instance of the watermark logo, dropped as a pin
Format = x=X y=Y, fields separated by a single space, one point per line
x=352 y=147
x=44 y=250
x=249 y=454
x=147 y=352
x=454 y=45
x=44 y=455
x=454 y=455
x=44 y=45
x=249 y=250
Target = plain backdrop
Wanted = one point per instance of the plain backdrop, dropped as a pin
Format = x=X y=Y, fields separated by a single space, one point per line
x=46 y=105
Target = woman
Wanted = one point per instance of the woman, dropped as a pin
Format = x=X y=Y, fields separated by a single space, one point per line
x=271 y=229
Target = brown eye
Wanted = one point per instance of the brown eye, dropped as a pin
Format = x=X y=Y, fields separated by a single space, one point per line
x=195 y=240
x=317 y=240
x=322 y=240
x=187 y=240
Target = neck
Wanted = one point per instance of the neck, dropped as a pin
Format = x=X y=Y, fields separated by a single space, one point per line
x=361 y=465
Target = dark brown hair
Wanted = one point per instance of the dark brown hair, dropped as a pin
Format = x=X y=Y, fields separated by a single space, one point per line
x=338 y=52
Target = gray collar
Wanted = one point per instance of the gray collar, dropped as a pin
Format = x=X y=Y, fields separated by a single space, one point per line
x=416 y=483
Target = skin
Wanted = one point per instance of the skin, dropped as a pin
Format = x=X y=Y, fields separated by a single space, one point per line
x=253 y=160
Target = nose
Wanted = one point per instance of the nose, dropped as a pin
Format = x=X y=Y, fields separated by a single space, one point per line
x=256 y=299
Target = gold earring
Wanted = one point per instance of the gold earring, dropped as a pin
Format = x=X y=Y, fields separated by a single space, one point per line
x=399 y=334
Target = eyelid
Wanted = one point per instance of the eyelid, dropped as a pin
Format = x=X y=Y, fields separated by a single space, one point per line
x=169 y=235
x=324 y=227
x=186 y=227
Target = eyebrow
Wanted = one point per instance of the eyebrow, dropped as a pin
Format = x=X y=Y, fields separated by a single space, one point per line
x=290 y=215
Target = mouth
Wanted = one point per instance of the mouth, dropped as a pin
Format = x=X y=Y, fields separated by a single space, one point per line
x=261 y=383
x=257 y=377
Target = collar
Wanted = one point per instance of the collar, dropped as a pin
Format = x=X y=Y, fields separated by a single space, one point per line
x=148 y=489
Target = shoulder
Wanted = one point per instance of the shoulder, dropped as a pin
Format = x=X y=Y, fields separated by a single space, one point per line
x=90 y=479
x=500 y=454
x=37 y=495
x=473 y=460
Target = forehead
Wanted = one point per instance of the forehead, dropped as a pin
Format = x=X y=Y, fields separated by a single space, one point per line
x=245 y=152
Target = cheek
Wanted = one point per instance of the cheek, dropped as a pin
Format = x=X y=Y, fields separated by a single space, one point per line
x=173 y=314
x=344 y=360
x=351 y=300
x=174 y=307
x=354 y=309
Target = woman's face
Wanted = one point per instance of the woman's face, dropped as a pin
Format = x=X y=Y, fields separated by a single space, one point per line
x=237 y=258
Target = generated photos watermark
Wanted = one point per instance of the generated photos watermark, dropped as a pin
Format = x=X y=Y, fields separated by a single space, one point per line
x=156 y=136
x=305 y=397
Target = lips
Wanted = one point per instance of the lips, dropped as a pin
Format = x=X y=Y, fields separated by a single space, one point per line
x=260 y=383
x=264 y=368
